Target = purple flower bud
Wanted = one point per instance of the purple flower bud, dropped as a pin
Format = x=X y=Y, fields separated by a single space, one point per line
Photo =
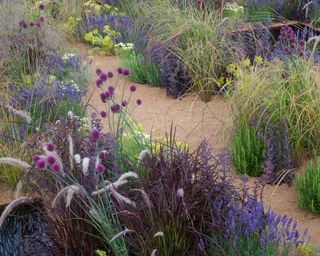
x=139 y=101
x=120 y=70
x=35 y=159
x=41 y=164
x=103 y=114
x=126 y=72
x=55 y=168
x=98 y=71
x=100 y=168
x=103 y=77
x=50 y=147
x=110 y=74
x=51 y=160
x=94 y=134
x=124 y=103
x=99 y=82
x=102 y=155
x=115 y=108
x=133 y=88
x=41 y=6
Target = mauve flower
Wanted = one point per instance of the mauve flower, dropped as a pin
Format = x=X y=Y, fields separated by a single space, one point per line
x=108 y=94
x=102 y=155
x=100 y=168
x=103 y=77
x=120 y=70
x=55 y=168
x=133 y=88
x=110 y=74
x=35 y=159
x=124 y=103
x=99 y=82
x=41 y=164
x=94 y=134
x=139 y=101
x=115 y=108
x=50 y=147
x=98 y=71
x=41 y=6
x=302 y=43
x=41 y=19
x=126 y=72
x=51 y=160
x=31 y=24
x=103 y=97
x=103 y=114
x=111 y=89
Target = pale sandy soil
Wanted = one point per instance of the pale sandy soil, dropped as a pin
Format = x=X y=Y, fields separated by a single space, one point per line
x=5 y=193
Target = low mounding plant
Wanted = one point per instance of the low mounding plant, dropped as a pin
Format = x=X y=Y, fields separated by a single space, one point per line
x=247 y=150
x=308 y=187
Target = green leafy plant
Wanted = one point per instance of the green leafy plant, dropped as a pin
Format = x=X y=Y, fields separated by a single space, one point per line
x=308 y=187
x=247 y=151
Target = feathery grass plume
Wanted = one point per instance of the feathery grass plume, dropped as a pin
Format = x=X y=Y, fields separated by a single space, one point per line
x=77 y=158
x=154 y=252
x=145 y=197
x=10 y=207
x=85 y=166
x=127 y=175
x=71 y=150
x=18 y=189
x=122 y=233
x=69 y=191
x=160 y=233
x=24 y=114
x=120 y=198
x=15 y=162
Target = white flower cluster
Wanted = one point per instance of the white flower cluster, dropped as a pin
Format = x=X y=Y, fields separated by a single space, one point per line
x=234 y=7
x=68 y=55
x=125 y=46
x=67 y=84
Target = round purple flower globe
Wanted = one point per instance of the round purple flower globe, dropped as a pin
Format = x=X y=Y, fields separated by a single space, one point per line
x=31 y=24
x=124 y=103
x=50 y=147
x=55 y=168
x=94 y=134
x=99 y=82
x=139 y=102
x=302 y=43
x=103 y=77
x=103 y=114
x=41 y=164
x=35 y=159
x=108 y=95
x=133 y=88
x=41 y=19
x=115 y=108
x=126 y=72
x=102 y=155
x=103 y=97
x=38 y=24
x=120 y=70
x=98 y=71
x=41 y=6
x=51 y=160
x=111 y=89
x=100 y=168
x=110 y=74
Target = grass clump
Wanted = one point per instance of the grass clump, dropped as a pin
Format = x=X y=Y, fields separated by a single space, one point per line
x=308 y=187
x=247 y=151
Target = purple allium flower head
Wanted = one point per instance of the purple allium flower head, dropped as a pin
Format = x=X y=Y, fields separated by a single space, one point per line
x=51 y=160
x=23 y=24
x=94 y=134
x=103 y=77
x=111 y=89
x=41 y=6
x=41 y=164
x=50 y=147
x=103 y=97
x=99 y=82
x=126 y=71
x=103 y=114
x=38 y=24
x=55 y=168
x=110 y=74
x=102 y=155
x=100 y=168
x=31 y=24
x=139 y=101
x=41 y=19
x=98 y=71
x=124 y=103
x=108 y=95
x=35 y=159
x=120 y=70
x=302 y=43
x=115 y=108
x=133 y=88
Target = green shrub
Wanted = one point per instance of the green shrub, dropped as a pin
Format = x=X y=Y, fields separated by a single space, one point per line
x=308 y=187
x=247 y=151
